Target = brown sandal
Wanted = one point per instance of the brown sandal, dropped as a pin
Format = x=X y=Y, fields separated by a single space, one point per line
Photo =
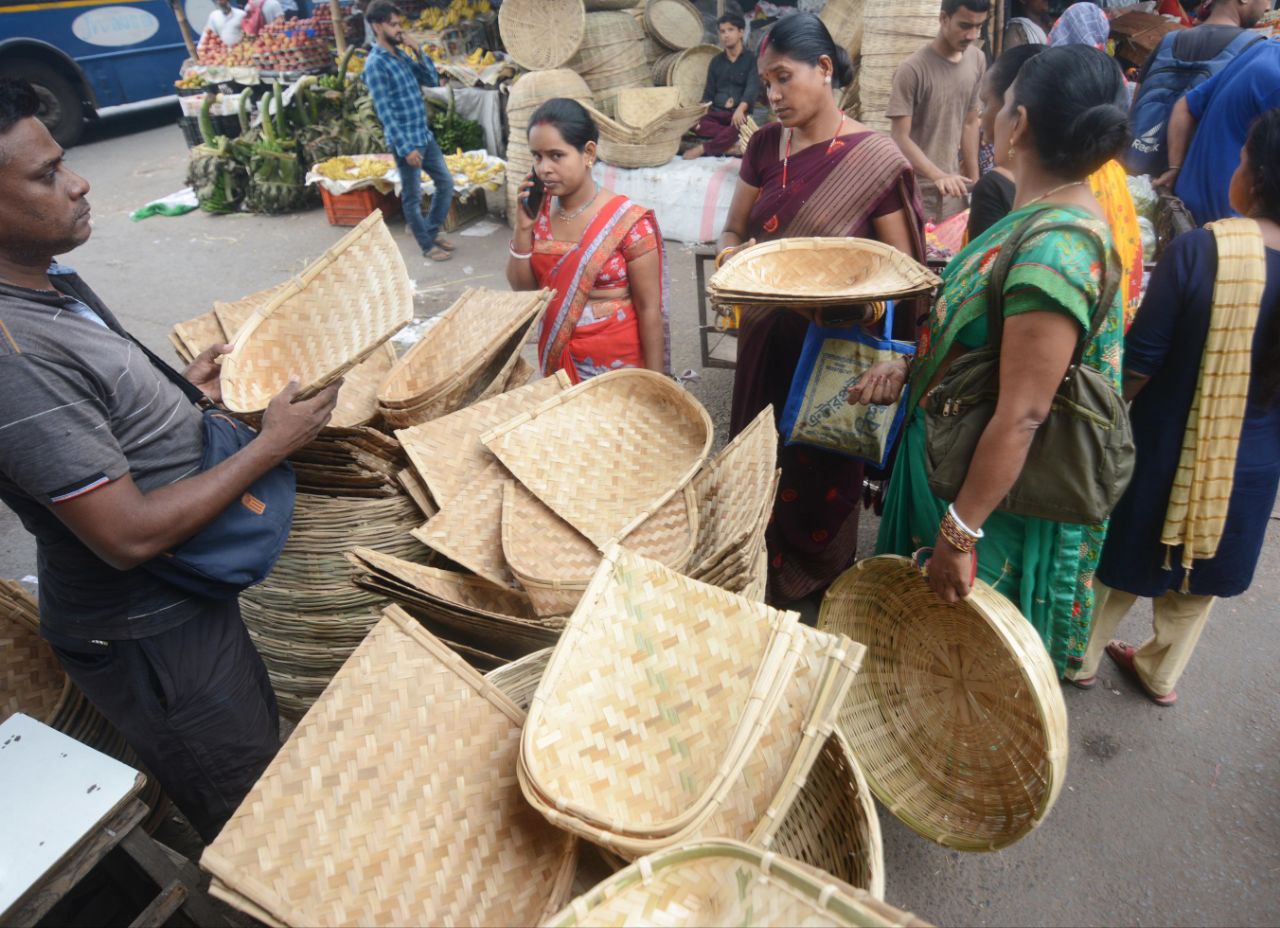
x=438 y=254
x=1122 y=653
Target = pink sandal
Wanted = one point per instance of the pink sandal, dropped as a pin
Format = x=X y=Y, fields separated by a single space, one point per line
x=1122 y=653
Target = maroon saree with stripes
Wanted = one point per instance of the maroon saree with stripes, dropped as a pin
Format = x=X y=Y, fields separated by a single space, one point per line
x=831 y=191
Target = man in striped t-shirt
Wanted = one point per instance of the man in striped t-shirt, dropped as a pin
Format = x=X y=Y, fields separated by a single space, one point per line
x=100 y=457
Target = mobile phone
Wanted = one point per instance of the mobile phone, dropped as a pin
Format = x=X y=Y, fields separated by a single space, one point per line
x=533 y=200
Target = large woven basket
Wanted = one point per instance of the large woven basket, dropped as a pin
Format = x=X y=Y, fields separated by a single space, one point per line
x=819 y=271
x=541 y=34
x=678 y=677
x=451 y=354
x=611 y=56
x=832 y=824
x=554 y=562
x=726 y=883
x=676 y=24
x=890 y=33
x=957 y=716
x=393 y=802
x=648 y=146
x=843 y=19
x=233 y=315
x=638 y=107
x=686 y=71
x=326 y=321
x=667 y=436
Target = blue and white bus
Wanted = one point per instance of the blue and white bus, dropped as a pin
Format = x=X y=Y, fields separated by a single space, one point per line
x=84 y=56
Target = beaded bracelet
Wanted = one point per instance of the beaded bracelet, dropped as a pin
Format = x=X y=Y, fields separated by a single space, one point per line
x=955 y=535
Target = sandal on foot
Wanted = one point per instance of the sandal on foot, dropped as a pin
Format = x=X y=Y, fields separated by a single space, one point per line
x=442 y=242
x=438 y=254
x=1122 y=653
x=1083 y=683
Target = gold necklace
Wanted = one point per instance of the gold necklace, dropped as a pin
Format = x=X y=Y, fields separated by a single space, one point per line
x=569 y=217
x=1049 y=193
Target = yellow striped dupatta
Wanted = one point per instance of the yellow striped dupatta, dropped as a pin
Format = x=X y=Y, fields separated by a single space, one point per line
x=1202 y=485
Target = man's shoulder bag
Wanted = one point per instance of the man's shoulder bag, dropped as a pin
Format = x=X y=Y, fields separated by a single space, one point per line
x=1082 y=456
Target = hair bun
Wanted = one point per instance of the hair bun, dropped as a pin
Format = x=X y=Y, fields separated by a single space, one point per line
x=843 y=67
x=1102 y=132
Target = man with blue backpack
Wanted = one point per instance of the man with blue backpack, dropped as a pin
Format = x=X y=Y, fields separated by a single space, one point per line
x=1183 y=60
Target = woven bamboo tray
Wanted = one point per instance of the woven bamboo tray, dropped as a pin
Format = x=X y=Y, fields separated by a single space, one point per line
x=677 y=24
x=326 y=321
x=234 y=314
x=644 y=644
x=637 y=107
x=649 y=146
x=819 y=271
x=611 y=55
x=957 y=716
x=467 y=335
x=358 y=818
x=195 y=335
x=541 y=34
x=686 y=71
x=468 y=529
x=416 y=488
x=358 y=397
x=832 y=824
x=447 y=452
x=667 y=436
x=726 y=883
x=554 y=562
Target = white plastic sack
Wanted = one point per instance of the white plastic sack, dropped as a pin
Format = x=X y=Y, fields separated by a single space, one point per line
x=690 y=198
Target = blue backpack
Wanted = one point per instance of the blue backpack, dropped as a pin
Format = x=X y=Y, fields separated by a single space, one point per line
x=1169 y=79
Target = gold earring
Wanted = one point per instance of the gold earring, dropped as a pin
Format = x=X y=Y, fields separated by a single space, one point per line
x=1010 y=152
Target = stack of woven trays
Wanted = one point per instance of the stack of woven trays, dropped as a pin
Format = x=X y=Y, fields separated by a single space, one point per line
x=714 y=707
x=533 y=483
x=338 y=312
x=394 y=802
x=611 y=55
x=646 y=145
x=306 y=617
x=816 y=272
x=685 y=71
x=832 y=825
x=725 y=884
x=470 y=353
x=487 y=624
x=32 y=682
x=890 y=33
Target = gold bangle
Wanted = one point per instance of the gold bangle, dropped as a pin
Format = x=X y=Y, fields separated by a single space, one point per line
x=955 y=536
x=721 y=256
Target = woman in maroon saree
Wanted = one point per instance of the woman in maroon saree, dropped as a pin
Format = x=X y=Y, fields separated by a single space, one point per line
x=815 y=173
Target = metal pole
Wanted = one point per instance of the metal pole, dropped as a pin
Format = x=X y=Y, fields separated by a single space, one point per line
x=184 y=27
x=339 y=27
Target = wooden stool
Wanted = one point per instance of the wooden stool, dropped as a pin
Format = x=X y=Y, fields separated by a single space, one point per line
x=65 y=807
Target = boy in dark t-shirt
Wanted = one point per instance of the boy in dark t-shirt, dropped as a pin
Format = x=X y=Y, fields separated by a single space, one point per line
x=732 y=89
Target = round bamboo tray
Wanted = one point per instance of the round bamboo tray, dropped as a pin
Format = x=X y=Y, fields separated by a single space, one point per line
x=726 y=883
x=324 y=322
x=407 y=750
x=676 y=24
x=832 y=824
x=613 y=677
x=541 y=34
x=890 y=33
x=957 y=716
x=637 y=107
x=686 y=71
x=819 y=271
x=611 y=56
x=667 y=438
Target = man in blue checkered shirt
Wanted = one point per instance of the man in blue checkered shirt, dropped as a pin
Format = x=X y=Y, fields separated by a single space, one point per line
x=393 y=77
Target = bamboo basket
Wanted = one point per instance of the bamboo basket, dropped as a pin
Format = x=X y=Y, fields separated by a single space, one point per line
x=407 y=750
x=649 y=146
x=676 y=24
x=686 y=71
x=644 y=644
x=611 y=56
x=416 y=488
x=667 y=438
x=726 y=883
x=818 y=272
x=958 y=716
x=358 y=396
x=468 y=529
x=832 y=824
x=233 y=315
x=890 y=33
x=554 y=562
x=541 y=34
x=447 y=452
x=844 y=19
x=195 y=335
x=326 y=321
x=638 y=107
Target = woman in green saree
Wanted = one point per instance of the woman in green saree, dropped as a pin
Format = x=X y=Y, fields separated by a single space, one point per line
x=1061 y=120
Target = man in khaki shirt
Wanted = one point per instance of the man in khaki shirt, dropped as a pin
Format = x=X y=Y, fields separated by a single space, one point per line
x=933 y=108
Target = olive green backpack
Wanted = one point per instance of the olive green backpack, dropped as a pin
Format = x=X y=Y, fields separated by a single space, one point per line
x=1082 y=456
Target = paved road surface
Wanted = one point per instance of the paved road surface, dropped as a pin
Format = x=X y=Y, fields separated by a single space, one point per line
x=1168 y=817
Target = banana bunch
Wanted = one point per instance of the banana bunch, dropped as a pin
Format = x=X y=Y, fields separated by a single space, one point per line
x=475 y=168
x=346 y=167
x=458 y=11
x=480 y=58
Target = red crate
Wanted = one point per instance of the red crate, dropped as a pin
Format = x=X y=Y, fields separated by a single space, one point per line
x=347 y=209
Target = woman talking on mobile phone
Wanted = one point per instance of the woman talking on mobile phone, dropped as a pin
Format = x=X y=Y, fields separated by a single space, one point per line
x=601 y=253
